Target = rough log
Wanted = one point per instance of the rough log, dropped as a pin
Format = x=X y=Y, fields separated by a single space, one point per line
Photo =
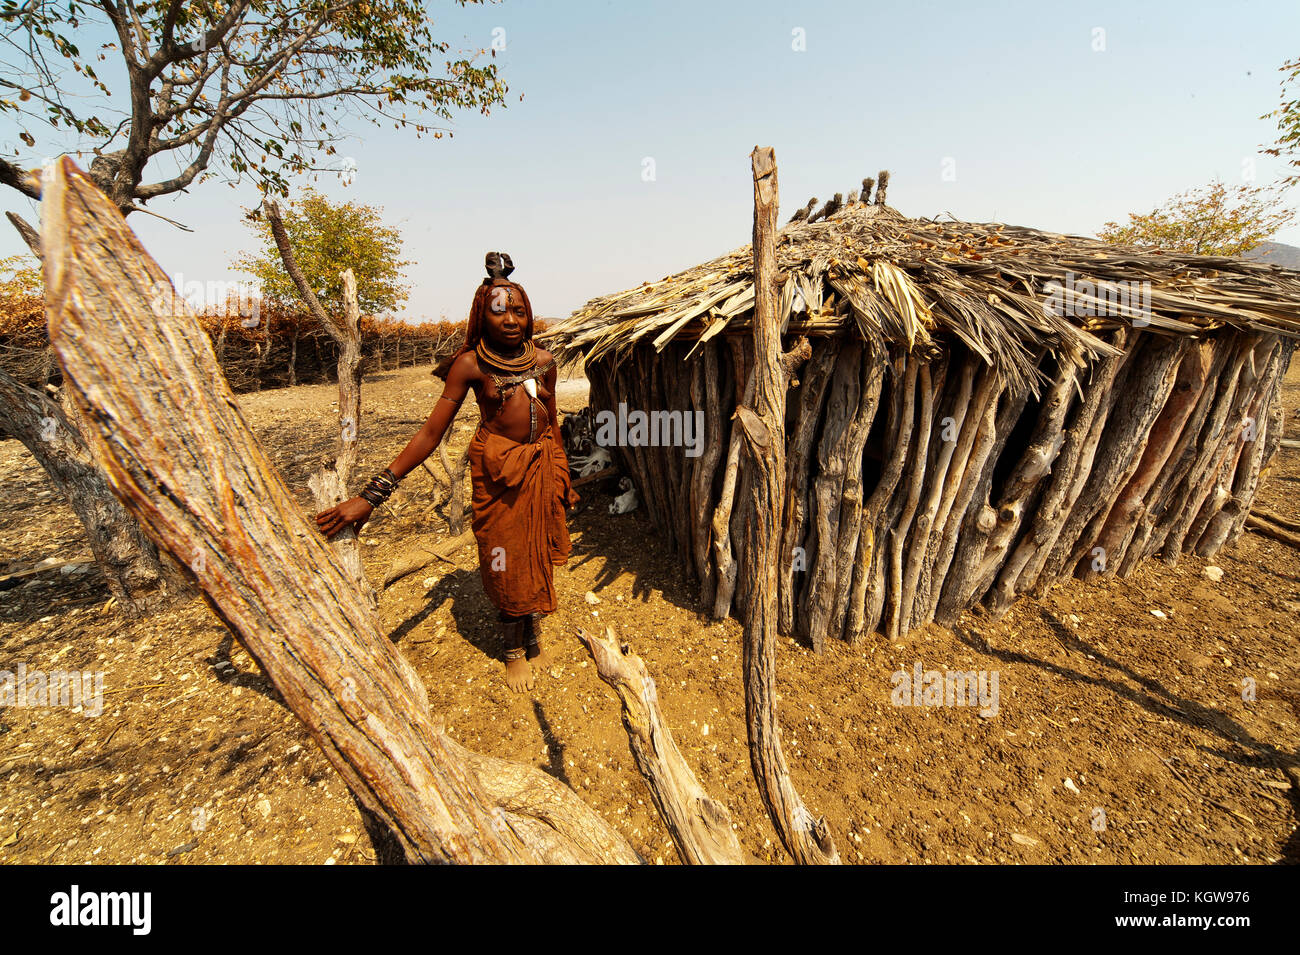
x=1242 y=473
x=794 y=545
x=1273 y=438
x=1271 y=530
x=924 y=539
x=852 y=505
x=827 y=494
x=1222 y=431
x=723 y=558
x=871 y=569
x=959 y=584
x=807 y=838
x=704 y=396
x=900 y=530
x=1020 y=489
x=1131 y=503
x=699 y=825
x=1138 y=403
x=1141 y=543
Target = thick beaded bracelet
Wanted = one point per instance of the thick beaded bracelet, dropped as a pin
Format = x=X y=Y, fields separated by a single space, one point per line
x=380 y=488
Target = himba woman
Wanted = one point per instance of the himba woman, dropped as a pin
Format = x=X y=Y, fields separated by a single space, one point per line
x=519 y=472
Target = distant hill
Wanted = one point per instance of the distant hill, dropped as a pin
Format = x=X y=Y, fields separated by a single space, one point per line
x=1275 y=253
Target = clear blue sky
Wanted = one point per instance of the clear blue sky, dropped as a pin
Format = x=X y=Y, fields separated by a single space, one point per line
x=1041 y=130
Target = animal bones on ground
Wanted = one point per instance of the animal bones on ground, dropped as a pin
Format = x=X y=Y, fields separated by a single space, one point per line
x=589 y=464
x=627 y=501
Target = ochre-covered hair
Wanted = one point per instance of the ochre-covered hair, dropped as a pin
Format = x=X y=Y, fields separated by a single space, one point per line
x=478 y=320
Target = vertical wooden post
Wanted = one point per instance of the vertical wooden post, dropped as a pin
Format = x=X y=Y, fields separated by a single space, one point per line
x=808 y=839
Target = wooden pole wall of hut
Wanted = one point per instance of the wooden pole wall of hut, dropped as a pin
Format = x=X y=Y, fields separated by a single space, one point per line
x=808 y=839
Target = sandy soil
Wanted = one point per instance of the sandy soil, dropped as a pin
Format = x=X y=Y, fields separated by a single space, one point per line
x=1120 y=736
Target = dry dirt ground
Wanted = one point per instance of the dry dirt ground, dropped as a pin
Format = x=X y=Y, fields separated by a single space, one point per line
x=1120 y=736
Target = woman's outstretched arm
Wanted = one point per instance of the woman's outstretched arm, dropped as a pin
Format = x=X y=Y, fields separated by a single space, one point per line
x=357 y=510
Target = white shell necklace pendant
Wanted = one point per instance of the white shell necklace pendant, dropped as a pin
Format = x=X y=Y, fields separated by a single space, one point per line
x=530 y=386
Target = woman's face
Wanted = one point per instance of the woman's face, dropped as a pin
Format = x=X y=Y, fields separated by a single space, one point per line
x=506 y=316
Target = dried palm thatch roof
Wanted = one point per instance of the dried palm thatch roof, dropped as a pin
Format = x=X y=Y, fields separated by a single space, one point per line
x=996 y=288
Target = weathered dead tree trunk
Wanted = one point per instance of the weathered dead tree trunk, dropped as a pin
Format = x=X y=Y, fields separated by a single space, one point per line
x=705 y=397
x=700 y=825
x=812 y=392
x=827 y=493
x=140 y=579
x=293 y=355
x=456 y=503
x=808 y=839
x=179 y=454
x=870 y=570
x=330 y=486
x=852 y=506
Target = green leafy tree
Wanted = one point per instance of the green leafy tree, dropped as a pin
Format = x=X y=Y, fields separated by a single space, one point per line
x=256 y=88
x=1287 y=115
x=328 y=237
x=1211 y=220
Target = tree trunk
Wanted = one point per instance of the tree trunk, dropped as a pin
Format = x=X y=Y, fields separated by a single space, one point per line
x=140 y=579
x=182 y=458
x=794 y=561
x=293 y=355
x=700 y=825
x=705 y=397
x=827 y=493
x=807 y=838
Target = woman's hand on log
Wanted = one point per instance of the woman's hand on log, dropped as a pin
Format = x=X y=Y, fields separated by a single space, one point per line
x=354 y=511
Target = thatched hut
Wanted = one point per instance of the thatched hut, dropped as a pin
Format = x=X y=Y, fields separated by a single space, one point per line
x=987 y=408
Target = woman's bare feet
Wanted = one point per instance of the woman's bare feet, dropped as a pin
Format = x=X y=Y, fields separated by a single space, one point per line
x=519 y=675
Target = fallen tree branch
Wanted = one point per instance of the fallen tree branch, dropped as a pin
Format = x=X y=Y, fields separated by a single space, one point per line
x=1261 y=526
x=409 y=565
x=700 y=825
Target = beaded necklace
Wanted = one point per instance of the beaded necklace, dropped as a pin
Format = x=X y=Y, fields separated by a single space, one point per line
x=526 y=373
x=523 y=362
